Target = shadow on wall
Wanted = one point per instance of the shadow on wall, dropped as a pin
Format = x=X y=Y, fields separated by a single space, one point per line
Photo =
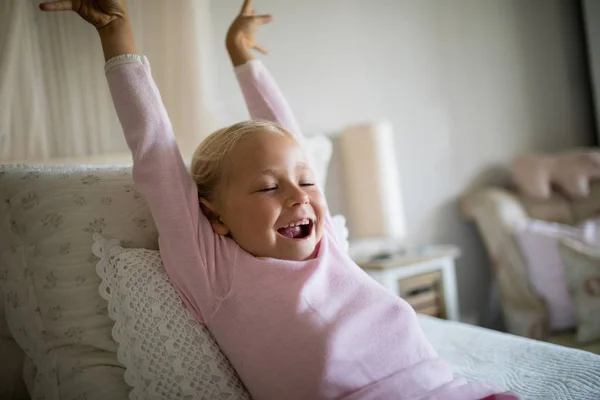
x=567 y=49
x=449 y=226
x=493 y=175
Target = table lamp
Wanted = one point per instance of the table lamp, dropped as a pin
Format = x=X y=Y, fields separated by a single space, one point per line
x=372 y=186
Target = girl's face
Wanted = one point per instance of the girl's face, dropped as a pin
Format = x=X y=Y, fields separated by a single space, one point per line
x=271 y=205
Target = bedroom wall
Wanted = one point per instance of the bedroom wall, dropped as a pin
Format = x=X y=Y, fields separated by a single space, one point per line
x=467 y=84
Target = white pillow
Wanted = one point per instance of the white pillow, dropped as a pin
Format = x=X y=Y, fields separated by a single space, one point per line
x=341 y=231
x=318 y=150
x=167 y=353
x=591 y=232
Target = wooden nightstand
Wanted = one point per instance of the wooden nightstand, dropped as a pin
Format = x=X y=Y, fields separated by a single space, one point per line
x=423 y=276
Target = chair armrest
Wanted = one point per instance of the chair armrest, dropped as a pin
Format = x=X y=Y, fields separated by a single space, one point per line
x=502 y=202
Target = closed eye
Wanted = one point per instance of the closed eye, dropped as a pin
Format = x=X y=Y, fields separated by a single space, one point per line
x=267 y=189
x=307 y=184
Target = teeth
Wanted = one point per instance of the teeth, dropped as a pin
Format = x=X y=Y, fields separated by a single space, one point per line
x=301 y=222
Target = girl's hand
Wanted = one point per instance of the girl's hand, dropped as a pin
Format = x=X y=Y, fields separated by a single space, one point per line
x=109 y=17
x=100 y=13
x=240 y=36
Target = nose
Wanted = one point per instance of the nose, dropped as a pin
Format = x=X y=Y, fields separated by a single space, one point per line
x=297 y=197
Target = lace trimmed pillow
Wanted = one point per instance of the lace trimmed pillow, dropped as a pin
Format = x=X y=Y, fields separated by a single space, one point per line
x=166 y=352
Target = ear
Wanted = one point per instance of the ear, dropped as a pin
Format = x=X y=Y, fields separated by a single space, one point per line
x=210 y=212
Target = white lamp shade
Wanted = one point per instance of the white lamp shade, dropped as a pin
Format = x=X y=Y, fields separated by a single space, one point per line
x=372 y=182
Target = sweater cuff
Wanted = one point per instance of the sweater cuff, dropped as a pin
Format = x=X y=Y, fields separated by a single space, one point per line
x=124 y=59
x=248 y=65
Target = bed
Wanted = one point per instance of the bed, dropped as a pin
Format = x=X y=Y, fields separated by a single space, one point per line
x=529 y=368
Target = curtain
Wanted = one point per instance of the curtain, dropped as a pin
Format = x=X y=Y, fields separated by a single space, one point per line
x=54 y=100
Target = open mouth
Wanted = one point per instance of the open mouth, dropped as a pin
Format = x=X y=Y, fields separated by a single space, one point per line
x=297 y=230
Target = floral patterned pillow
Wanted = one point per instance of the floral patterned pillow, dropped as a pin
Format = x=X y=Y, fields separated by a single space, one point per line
x=48 y=215
x=582 y=270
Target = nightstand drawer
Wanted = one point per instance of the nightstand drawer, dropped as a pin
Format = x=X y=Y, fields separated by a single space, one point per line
x=415 y=283
x=423 y=300
x=423 y=293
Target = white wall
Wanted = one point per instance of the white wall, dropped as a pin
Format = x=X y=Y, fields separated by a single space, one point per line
x=468 y=85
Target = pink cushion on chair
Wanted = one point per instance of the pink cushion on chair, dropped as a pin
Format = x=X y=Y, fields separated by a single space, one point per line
x=571 y=172
x=539 y=243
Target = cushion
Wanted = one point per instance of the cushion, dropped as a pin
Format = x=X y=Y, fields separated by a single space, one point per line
x=167 y=353
x=571 y=171
x=47 y=219
x=591 y=229
x=538 y=241
x=588 y=207
x=556 y=208
x=582 y=269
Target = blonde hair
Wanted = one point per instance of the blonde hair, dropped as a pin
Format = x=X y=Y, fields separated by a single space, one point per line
x=211 y=155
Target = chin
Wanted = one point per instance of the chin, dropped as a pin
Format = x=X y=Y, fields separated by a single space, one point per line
x=301 y=252
x=301 y=257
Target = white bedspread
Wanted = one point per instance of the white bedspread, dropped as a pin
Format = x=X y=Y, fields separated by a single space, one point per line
x=528 y=368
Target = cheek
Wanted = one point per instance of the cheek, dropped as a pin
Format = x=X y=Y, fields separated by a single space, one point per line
x=256 y=214
x=319 y=206
x=267 y=212
x=318 y=202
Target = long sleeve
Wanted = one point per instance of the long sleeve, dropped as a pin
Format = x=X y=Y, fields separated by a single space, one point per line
x=159 y=171
x=263 y=97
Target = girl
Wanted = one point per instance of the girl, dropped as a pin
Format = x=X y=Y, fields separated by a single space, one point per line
x=248 y=241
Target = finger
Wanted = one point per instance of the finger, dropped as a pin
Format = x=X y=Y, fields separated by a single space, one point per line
x=260 y=49
x=262 y=19
x=246 y=7
x=62 y=5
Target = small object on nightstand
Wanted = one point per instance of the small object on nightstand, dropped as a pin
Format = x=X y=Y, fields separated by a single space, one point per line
x=382 y=256
x=424 y=276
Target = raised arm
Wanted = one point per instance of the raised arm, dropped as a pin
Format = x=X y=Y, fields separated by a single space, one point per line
x=158 y=168
x=262 y=94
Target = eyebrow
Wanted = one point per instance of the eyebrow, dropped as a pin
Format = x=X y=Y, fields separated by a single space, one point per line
x=273 y=171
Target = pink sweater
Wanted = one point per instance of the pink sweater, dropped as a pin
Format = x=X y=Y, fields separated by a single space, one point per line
x=319 y=329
